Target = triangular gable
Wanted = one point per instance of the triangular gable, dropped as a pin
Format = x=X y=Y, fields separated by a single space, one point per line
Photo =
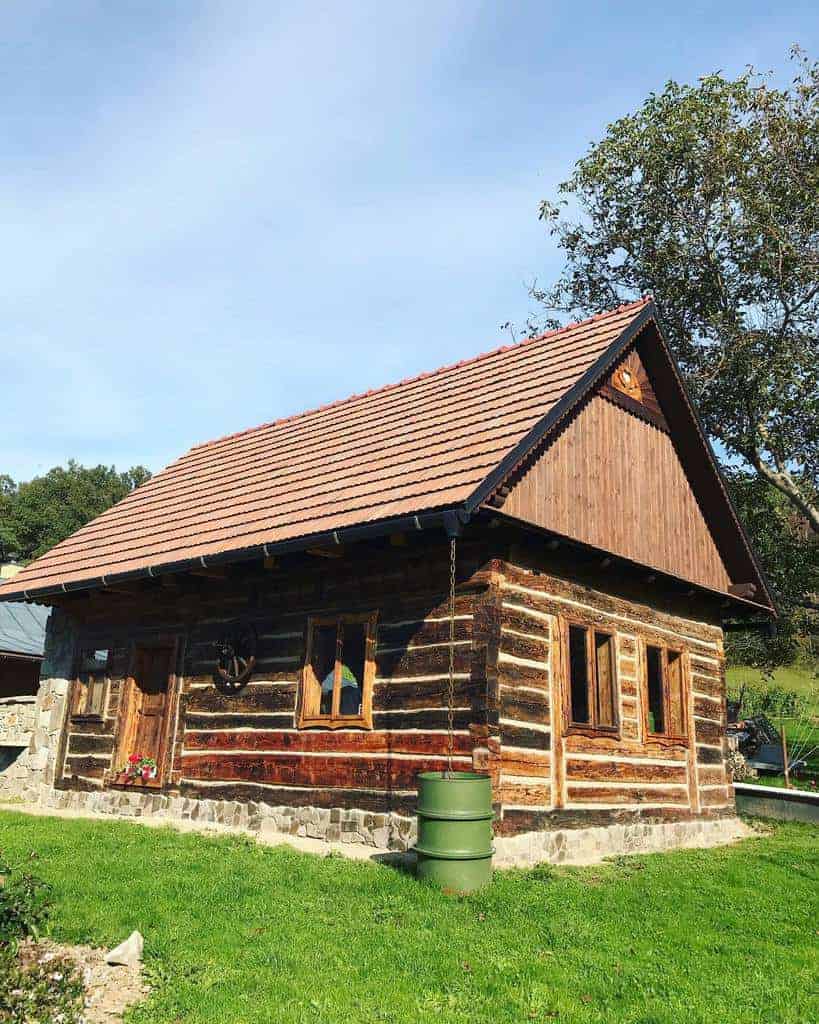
x=623 y=464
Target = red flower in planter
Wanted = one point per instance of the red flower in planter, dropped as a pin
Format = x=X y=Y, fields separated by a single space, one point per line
x=139 y=767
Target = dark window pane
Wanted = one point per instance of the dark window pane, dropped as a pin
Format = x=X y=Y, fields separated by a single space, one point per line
x=94 y=661
x=654 y=668
x=578 y=674
x=606 y=695
x=676 y=703
x=323 y=661
x=353 y=653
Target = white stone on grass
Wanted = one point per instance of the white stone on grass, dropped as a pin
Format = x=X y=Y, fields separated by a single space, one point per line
x=128 y=953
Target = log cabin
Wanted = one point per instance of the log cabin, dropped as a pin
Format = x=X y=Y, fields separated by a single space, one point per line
x=266 y=623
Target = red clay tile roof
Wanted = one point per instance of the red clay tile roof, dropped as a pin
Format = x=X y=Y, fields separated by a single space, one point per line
x=424 y=443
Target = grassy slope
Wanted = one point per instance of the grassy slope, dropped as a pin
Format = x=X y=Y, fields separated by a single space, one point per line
x=799 y=678
x=236 y=932
x=802 y=733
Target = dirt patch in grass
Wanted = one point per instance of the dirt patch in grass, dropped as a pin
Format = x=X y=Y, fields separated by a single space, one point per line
x=109 y=990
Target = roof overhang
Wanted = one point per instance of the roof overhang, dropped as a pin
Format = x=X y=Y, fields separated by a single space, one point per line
x=19 y=656
x=731 y=603
x=448 y=518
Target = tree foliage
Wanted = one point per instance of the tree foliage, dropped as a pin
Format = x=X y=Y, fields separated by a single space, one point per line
x=706 y=197
x=790 y=557
x=36 y=515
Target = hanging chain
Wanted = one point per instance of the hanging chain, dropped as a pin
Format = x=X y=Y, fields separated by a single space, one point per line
x=451 y=690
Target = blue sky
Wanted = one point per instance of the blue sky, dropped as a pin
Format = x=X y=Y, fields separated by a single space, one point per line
x=216 y=214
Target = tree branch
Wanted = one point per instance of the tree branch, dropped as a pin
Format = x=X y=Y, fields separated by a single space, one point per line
x=782 y=480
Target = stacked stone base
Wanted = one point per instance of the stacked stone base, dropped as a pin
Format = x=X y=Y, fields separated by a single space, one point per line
x=591 y=845
x=392 y=832
x=336 y=824
x=34 y=728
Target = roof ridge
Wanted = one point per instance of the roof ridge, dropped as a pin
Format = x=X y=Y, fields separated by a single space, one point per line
x=642 y=301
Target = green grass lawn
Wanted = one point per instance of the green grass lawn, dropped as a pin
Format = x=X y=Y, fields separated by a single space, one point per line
x=778 y=782
x=240 y=933
x=801 y=679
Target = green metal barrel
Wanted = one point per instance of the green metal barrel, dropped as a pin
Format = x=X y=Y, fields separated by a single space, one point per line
x=455 y=829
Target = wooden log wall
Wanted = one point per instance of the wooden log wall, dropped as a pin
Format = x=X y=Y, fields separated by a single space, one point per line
x=246 y=745
x=525 y=703
x=553 y=776
x=507 y=655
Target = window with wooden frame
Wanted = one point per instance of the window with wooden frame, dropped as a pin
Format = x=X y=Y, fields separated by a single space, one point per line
x=665 y=692
x=591 y=693
x=91 y=685
x=339 y=668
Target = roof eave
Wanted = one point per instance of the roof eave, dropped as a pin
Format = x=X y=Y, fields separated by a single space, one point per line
x=764 y=583
x=743 y=604
x=427 y=519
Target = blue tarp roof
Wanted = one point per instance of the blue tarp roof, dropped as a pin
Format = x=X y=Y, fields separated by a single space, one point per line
x=22 y=628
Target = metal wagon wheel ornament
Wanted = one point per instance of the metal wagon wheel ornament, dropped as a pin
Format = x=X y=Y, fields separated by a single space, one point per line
x=237 y=658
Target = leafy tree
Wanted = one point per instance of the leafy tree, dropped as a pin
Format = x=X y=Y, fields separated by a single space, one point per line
x=706 y=197
x=35 y=516
x=790 y=557
x=8 y=489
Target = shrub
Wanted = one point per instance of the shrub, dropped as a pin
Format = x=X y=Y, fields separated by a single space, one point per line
x=35 y=987
x=772 y=701
x=24 y=905
x=40 y=989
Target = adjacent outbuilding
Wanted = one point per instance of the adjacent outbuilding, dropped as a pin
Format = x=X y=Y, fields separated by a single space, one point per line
x=22 y=638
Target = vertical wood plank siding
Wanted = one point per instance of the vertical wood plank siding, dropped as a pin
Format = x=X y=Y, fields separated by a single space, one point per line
x=548 y=776
x=614 y=481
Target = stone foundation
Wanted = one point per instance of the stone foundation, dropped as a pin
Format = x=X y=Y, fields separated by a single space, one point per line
x=18 y=719
x=34 y=766
x=390 y=832
x=591 y=845
x=340 y=825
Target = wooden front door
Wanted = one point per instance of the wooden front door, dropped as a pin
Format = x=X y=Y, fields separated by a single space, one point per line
x=146 y=707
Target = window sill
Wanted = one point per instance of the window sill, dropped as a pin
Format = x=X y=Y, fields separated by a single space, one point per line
x=335 y=723
x=664 y=739
x=592 y=731
x=87 y=719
